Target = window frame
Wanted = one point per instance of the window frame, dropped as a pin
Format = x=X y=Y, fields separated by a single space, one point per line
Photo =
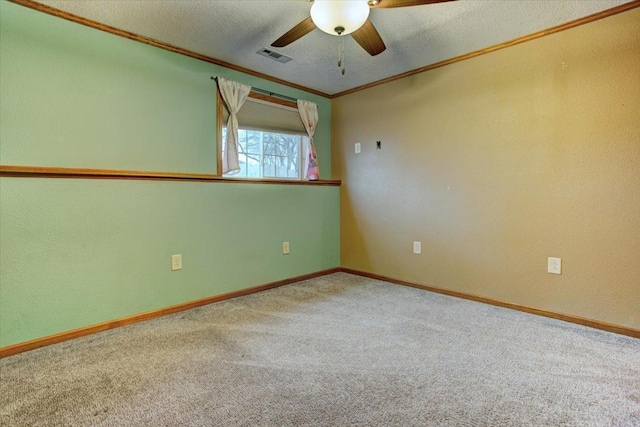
x=301 y=154
x=270 y=99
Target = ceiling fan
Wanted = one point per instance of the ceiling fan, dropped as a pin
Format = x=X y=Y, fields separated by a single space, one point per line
x=342 y=17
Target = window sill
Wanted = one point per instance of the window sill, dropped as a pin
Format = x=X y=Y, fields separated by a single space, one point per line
x=55 y=172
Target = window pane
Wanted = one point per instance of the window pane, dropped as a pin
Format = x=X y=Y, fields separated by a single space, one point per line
x=253 y=143
x=294 y=148
x=280 y=145
x=242 y=141
x=269 y=143
x=223 y=139
x=243 y=169
x=253 y=170
x=267 y=154
x=269 y=166
x=278 y=166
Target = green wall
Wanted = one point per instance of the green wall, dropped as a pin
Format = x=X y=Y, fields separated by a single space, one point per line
x=77 y=252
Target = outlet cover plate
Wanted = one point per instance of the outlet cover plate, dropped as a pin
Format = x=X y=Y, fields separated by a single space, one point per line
x=285 y=248
x=554 y=265
x=417 y=248
x=358 y=148
x=176 y=262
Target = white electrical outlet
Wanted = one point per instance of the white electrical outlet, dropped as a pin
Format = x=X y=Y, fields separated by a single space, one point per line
x=285 y=248
x=554 y=265
x=176 y=262
x=417 y=248
x=358 y=148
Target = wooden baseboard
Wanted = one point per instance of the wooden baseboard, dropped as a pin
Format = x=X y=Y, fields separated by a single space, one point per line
x=93 y=329
x=609 y=327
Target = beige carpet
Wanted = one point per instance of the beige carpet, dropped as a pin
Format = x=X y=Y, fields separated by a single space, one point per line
x=340 y=350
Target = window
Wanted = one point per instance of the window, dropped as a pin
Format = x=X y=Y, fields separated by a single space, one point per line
x=271 y=141
x=264 y=154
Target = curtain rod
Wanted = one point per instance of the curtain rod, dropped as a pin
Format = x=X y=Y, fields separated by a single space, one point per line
x=266 y=92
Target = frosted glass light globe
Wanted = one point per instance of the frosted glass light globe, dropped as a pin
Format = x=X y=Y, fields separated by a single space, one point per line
x=332 y=15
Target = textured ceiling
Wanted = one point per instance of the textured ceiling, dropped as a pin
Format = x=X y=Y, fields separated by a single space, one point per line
x=233 y=30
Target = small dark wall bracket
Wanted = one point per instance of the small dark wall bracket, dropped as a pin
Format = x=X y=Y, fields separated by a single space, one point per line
x=379 y=145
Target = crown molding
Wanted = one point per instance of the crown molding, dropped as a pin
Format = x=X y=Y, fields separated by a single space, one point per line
x=156 y=43
x=553 y=30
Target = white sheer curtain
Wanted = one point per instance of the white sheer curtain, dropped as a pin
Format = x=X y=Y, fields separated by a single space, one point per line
x=309 y=114
x=234 y=95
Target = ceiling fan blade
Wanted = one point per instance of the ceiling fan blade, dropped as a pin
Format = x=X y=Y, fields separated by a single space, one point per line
x=386 y=4
x=367 y=36
x=295 y=33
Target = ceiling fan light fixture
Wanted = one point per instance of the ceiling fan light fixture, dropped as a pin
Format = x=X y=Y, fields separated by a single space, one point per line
x=339 y=17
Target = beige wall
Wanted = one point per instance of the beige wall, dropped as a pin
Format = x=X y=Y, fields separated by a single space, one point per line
x=498 y=162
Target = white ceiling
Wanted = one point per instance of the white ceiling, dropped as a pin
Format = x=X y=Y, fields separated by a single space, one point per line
x=233 y=30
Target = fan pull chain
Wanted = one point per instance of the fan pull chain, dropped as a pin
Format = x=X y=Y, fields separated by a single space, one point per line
x=341 y=58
